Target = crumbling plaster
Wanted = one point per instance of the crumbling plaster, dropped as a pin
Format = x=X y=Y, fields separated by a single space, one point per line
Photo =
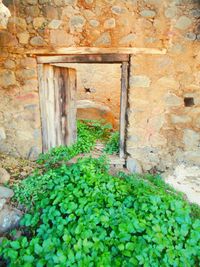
x=161 y=131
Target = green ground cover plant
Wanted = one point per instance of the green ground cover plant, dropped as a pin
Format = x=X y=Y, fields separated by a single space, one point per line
x=81 y=215
x=89 y=131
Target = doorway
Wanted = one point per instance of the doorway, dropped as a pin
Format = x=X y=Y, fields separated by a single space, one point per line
x=58 y=96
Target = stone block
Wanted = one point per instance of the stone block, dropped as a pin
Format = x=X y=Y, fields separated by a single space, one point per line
x=94 y=23
x=6 y=192
x=7 y=78
x=32 y=11
x=37 y=41
x=171 y=12
x=109 y=23
x=148 y=13
x=4 y=176
x=38 y=22
x=133 y=165
x=9 y=219
x=104 y=39
x=76 y=23
x=183 y=23
x=23 y=37
x=140 y=81
x=55 y=24
x=9 y=64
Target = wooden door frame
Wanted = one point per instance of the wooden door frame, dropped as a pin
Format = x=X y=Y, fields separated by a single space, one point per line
x=122 y=59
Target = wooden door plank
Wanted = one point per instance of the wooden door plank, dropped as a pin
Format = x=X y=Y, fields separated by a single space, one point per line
x=104 y=58
x=123 y=107
x=71 y=107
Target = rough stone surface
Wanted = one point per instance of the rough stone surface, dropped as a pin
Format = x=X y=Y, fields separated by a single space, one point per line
x=9 y=219
x=183 y=23
x=37 y=41
x=140 y=81
x=148 y=13
x=4 y=176
x=133 y=165
x=187 y=180
x=6 y=192
x=104 y=39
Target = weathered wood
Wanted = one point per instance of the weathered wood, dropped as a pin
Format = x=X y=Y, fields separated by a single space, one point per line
x=57 y=89
x=65 y=105
x=123 y=106
x=42 y=106
x=71 y=106
x=104 y=58
x=95 y=50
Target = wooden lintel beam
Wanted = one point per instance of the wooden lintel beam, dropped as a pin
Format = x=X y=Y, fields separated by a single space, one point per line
x=90 y=58
x=96 y=50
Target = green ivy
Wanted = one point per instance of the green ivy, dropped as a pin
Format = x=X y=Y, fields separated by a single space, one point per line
x=80 y=215
x=112 y=145
x=89 y=131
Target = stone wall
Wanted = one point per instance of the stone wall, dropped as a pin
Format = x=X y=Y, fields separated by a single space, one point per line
x=164 y=103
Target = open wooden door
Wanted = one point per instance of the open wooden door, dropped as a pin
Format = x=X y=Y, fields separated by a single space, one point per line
x=57 y=89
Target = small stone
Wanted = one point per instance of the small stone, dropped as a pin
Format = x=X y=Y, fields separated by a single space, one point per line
x=195 y=13
x=9 y=218
x=190 y=36
x=183 y=23
x=38 y=22
x=7 y=78
x=4 y=176
x=94 y=23
x=128 y=39
x=148 y=13
x=133 y=165
x=32 y=11
x=140 y=81
x=117 y=10
x=109 y=23
x=23 y=37
x=55 y=24
x=2 y=134
x=198 y=37
x=50 y=12
x=171 y=12
x=76 y=22
x=26 y=74
x=104 y=39
x=37 y=41
x=9 y=64
x=6 y=192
